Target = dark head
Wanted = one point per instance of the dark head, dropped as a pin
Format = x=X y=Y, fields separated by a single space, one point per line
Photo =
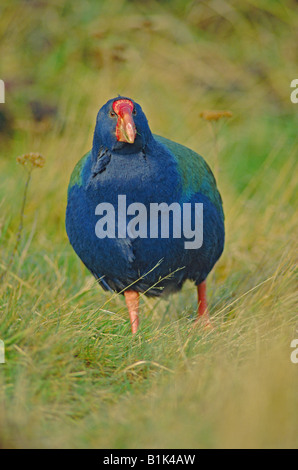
x=121 y=126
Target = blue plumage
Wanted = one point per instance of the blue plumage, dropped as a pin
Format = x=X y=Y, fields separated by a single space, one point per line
x=149 y=170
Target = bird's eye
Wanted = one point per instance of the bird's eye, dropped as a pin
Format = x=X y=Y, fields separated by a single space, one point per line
x=134 y=111
x=112 y=113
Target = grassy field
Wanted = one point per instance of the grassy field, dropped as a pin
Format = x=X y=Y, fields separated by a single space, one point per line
x=74 y=376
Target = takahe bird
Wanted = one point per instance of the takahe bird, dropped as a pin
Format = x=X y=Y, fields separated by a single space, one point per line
x=154 y=196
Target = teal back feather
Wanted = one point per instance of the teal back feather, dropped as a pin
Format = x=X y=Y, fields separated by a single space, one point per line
x=195 y=172
x=76 y=176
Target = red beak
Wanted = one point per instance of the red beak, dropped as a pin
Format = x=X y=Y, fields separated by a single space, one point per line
x=125 y=128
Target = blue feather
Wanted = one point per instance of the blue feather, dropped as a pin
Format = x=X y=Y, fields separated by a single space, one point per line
x=153 y=169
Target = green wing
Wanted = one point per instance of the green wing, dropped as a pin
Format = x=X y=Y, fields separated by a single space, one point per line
x=76 y=176
x=195 y=173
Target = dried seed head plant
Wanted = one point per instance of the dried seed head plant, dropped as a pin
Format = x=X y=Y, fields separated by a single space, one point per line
x=212 y=117
x=29 y=161
x=215 y=115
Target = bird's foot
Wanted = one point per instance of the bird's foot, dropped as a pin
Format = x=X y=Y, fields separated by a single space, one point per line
x=132 y=302
x=204 y=322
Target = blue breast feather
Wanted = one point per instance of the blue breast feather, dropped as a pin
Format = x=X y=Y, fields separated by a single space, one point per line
x=165 y=172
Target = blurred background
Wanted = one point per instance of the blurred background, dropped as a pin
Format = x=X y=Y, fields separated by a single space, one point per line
x=60 y=62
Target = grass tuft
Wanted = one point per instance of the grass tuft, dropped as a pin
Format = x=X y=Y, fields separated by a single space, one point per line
x=73 y=374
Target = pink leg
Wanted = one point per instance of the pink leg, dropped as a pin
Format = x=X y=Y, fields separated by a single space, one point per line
x=132 y=302
x=203 y=313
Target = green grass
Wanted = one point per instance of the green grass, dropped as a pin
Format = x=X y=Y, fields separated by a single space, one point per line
x=74 y=376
